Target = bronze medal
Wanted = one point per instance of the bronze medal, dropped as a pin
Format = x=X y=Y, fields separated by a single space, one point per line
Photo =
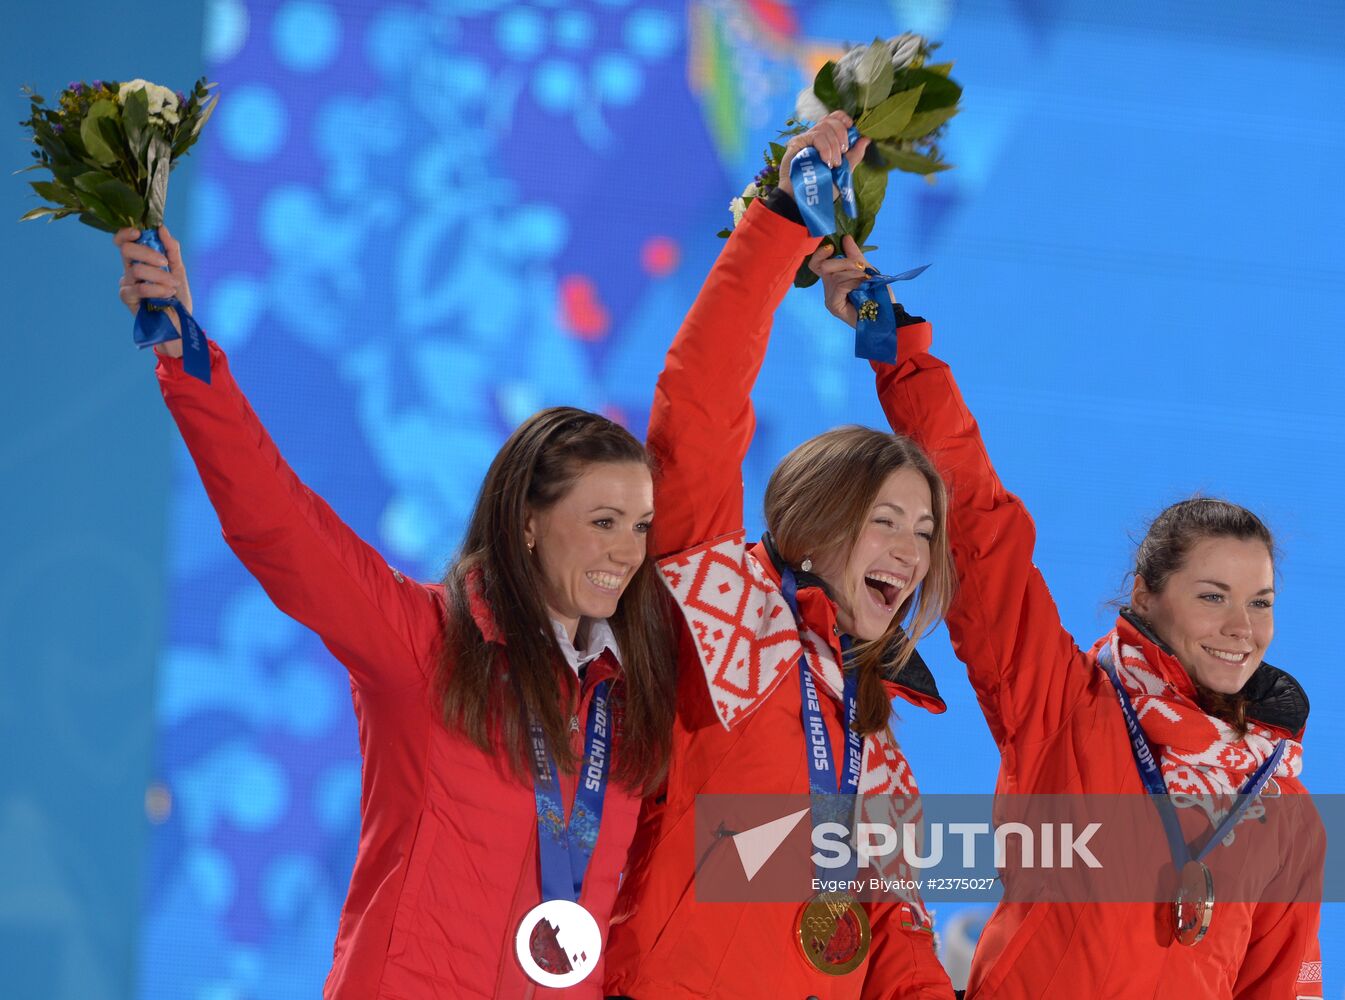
x=833 y=932
x=1194 y=907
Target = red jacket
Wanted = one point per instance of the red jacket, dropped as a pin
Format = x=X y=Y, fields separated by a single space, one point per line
x=738 y=727
x=447 y=862
x=1056 y=720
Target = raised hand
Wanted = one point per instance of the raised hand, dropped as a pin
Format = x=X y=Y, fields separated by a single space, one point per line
x=143 y=277
x=830 y=137
x=841 y=276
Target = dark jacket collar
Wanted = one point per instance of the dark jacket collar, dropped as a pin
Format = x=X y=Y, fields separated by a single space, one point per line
x=914 y=681
x=1274 y=697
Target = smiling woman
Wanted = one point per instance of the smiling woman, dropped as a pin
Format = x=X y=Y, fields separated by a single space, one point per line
x=543 y=656
x=1175 y=702
x=1205 y=583
x=794 y=651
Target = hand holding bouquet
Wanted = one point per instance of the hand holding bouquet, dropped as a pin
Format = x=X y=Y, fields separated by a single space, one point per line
x=109 y=148
x=897 y=98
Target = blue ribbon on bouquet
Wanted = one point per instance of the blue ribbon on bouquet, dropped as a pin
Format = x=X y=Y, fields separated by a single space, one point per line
x=813 y=179
x=152 y=325
x=876 y=327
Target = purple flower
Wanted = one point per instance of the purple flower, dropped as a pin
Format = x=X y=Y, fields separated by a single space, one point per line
x=97 y=84
x=181 y=98
x=75 y=86
x=58 y=128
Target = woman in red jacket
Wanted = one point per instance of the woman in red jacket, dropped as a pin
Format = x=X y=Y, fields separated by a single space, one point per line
x=858 y=547
x=1182 y=671
x=481 y=701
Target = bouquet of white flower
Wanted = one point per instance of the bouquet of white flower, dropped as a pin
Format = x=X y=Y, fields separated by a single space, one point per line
x=899 y=99
x=109 y=148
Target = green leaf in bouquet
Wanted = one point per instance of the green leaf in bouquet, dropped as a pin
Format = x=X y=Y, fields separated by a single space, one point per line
x=91 y=133
x=925 y=122
x=55 y=193
x=186 y=138
x=87 y=187
x=115 y=136
x=864 y=226
x=915 y=163
x=122 y=199
x=943 y=69
x=940 y=92
x=891 y=116
x=88 y=181
x=805 y=276
x=777 y=152
x=135 y=117
x=824 y=86
x=873 y=77
x=90 y=219
x=37 y=213
x=156 y=202
x=870 y=189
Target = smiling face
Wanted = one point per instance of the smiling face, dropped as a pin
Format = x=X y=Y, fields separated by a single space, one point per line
x=1215 y=610
x=589 y=543
x=888 y=560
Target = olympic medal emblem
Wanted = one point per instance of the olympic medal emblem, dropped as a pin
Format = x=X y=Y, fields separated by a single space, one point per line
x=833 y=932
x=558 y=943
x=1194 y=908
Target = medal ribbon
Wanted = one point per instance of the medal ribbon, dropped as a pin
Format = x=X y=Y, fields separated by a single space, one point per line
x=152 y=325
x=812 y=180
x=832 y=799
x=564 y=850
x=1152 y=776
x=876 y=326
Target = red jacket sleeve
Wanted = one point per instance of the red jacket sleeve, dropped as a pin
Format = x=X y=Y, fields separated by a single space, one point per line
x=903 y=964
x=1027 y=671
x=381 y=625
x=1283 y=960
x=702 y=422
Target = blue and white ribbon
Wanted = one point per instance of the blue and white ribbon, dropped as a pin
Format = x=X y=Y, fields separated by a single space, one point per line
x=813 y=180
x=564 y=849
x=152 y=325
x=876 y=326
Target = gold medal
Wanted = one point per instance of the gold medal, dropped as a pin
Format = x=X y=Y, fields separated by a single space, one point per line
x=1194 y=908
x=833 y=931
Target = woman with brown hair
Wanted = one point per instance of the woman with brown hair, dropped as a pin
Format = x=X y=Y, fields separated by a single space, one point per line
x=793 y=650
x=1176 y=701
x=492 y=708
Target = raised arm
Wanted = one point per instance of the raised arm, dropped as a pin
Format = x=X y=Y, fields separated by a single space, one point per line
x=702 y=421
x=1027 y=671
x=381 y=625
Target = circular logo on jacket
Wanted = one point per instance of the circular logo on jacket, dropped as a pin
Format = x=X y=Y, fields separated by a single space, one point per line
x=558 y=943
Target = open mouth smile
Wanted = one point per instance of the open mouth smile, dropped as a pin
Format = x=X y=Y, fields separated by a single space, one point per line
x=1224 y=656
x=884 y=589
x=610 y=582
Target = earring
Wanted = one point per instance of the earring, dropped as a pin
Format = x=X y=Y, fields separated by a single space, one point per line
x=807 y=565
x=531 y=543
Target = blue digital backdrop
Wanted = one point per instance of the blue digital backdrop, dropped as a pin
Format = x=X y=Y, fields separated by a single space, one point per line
x=411 y=224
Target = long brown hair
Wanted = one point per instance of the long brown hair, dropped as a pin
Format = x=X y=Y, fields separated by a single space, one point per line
x=490 y=691
x=817 y=502
x=1163 y=551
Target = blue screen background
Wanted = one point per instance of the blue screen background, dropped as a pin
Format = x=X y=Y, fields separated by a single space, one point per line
x=412 y=224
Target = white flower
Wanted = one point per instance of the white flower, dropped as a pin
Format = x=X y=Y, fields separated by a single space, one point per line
x=904 y=49
x=163 y=106
x=844 y=74
x=751 y=191
x=738 y=207
x=807 y=107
